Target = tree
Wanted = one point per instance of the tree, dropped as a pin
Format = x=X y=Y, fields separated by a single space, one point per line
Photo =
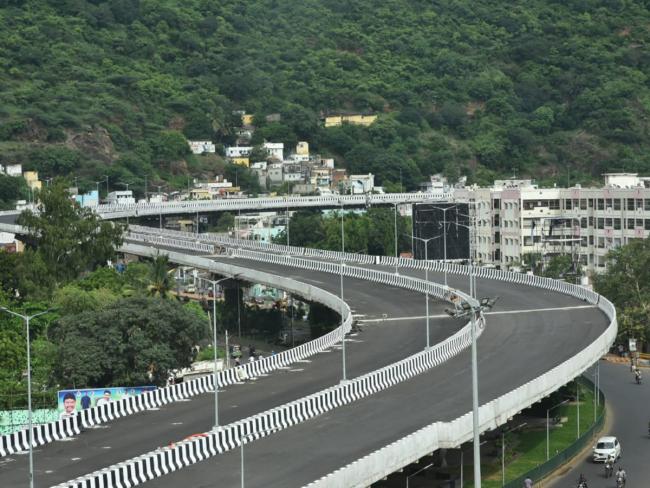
x=160 y=282
x=626 y=283
x=67 y=238
x=134 y=341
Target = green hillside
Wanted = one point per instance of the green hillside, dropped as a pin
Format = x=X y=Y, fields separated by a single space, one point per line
x=551 y=89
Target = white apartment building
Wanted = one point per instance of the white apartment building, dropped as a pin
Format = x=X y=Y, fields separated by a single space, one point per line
x=238 y=151
x=275 y=150
x=515 y=217
x=200 y=147
x=121 y=198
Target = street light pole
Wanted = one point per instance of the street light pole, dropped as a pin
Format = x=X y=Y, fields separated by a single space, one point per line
x=578 y=406
x=396 y=257
x=426 y=278
x=344 y=379
x=215 y=371
x=548 y=427
x=30 y=420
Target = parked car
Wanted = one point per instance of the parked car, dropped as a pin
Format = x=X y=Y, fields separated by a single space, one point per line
x=605 y=447
x=190 y=289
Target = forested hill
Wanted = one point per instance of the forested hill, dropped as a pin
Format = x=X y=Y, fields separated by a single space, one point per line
x=477 y=87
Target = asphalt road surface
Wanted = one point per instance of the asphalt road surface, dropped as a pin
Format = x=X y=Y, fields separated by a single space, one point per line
x=512 y=351
x=627 y=409
x=531 y=331
x=373 y=347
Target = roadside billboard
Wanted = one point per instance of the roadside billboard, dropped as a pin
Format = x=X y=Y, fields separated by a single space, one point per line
x=70 y=401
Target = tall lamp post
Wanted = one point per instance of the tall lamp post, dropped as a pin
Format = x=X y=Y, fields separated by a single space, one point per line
x=548 y=422
x=344 y=378
x=127 y=189
x=160 y=187
x=27 y=319
x=214 y=284
x=396 y=256
x=426 y=278
x=444 y=234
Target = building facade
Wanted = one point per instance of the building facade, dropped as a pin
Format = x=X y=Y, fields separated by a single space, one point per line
x=515 y=218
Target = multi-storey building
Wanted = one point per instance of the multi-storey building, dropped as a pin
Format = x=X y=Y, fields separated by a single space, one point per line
x=515 y=217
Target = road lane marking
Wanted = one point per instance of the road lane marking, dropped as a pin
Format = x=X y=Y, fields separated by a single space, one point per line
x=502 y=312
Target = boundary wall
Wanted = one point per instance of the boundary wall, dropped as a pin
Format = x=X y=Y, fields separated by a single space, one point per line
x=68 y=427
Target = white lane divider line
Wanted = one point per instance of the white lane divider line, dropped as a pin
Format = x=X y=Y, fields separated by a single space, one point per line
x=501 y=312
x=534 y=310
x=296 y=370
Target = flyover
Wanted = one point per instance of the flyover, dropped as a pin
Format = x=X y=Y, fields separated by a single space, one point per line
x=513 y=352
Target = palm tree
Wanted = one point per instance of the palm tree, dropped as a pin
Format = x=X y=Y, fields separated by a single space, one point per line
x=160 y=282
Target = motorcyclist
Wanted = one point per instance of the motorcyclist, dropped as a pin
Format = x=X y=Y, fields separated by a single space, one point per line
x=621 y=476
x=609 y=466
x=582 y=481
x=637 y=375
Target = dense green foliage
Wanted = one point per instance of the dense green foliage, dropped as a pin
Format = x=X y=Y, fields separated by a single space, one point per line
x=370 y=232
x=134 y=341
x=627 y=284
x=555 y=89
x=68 y=239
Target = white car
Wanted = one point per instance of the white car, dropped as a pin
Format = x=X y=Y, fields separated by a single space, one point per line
x=605 y=447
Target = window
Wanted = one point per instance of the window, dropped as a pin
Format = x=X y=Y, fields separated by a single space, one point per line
x=583 y=204
x=630 y=203
x=554 y=204
x=583 y=242
x=608 y=222
x=591 y=240
x=639 y=223
x=591 y=203
x=647 y=223
x=617 y=224
x=583 y=223
x=601 y=204
x=601 y=223
x=608 y=203
x=567 y=204
x=496 y=203
x=639 y=203
x=591 y=221
x=601 y=242
x=647 y=204
x=617 y=204
x=496 y=221
x=630 y=223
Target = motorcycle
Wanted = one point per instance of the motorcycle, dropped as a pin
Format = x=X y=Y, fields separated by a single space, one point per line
x=638 y=379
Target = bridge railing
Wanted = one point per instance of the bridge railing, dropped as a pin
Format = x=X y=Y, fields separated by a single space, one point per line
x=186 y=453
x=365 y=471
x=46 y=433
x=191 y=206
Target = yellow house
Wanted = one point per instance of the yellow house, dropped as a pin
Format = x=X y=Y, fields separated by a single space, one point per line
x=200 y=194
x=31 y=177
x=241 y=161
x=355 y=119
x=247 y=119
x=302 y=148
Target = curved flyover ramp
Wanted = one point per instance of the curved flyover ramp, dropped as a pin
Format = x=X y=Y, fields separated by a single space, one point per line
x=371 y=348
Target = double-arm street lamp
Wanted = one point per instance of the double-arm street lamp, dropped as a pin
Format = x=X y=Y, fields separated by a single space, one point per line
x=426 y=278
x=344 y=378
x=548 y=410
x=27 y=319
x=474 y=310
x=214 y=284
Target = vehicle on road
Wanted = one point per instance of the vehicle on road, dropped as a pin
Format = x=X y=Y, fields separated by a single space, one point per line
x=605 y=447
